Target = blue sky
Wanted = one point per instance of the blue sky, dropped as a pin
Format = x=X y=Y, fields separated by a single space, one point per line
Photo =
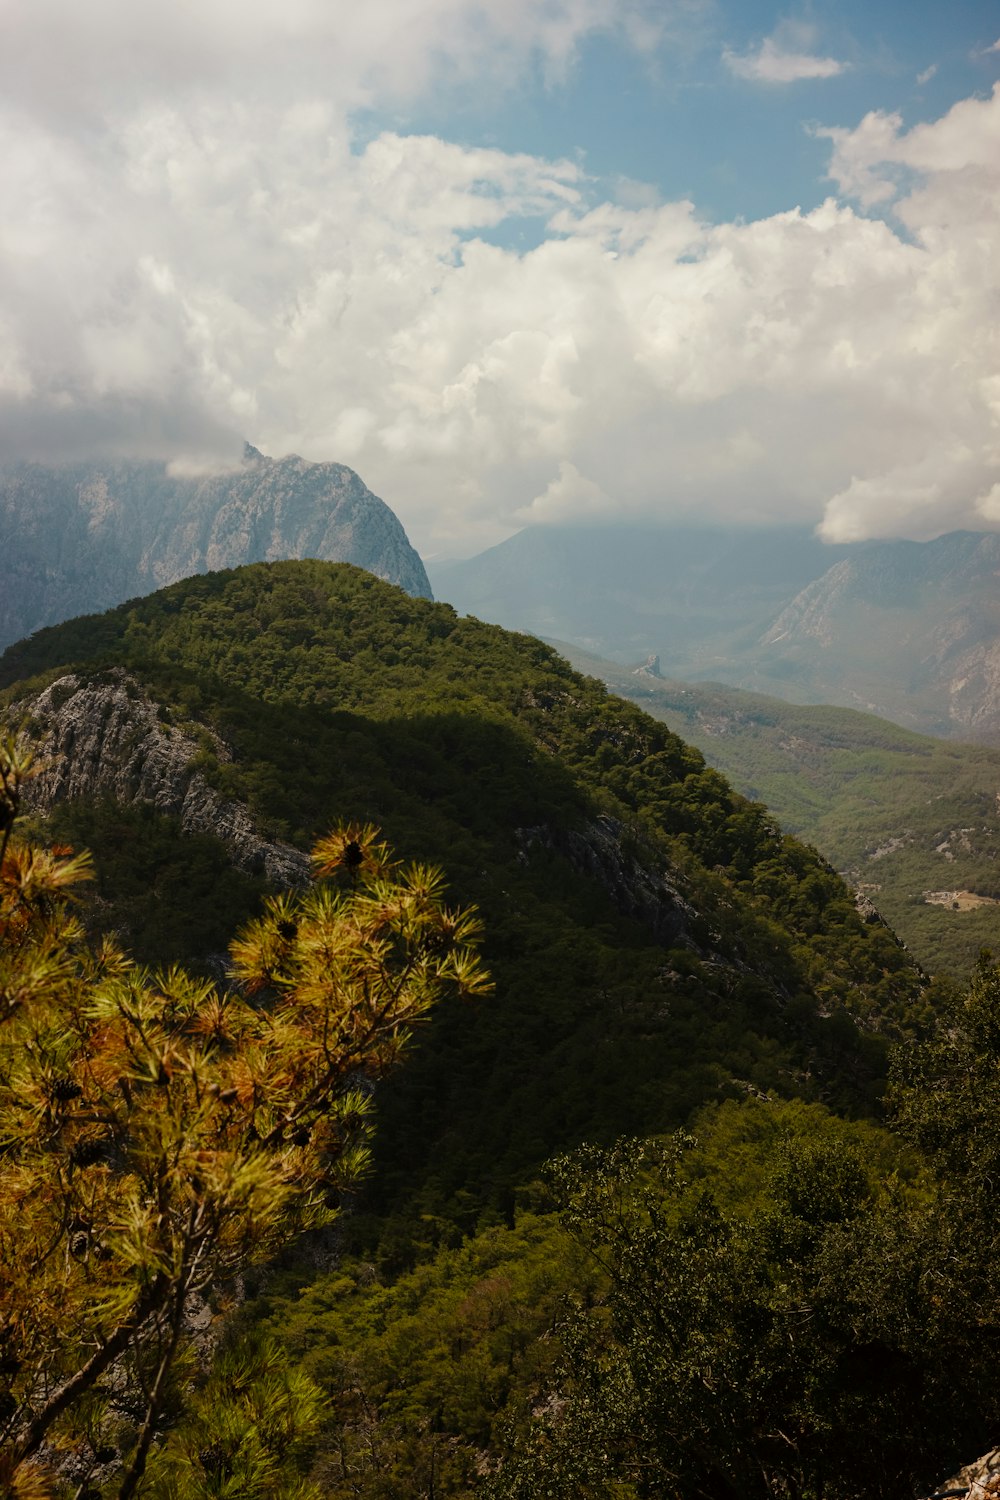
x=678 y=119
x=519 y=262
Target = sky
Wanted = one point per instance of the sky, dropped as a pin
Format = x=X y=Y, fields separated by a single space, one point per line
x=519 y=262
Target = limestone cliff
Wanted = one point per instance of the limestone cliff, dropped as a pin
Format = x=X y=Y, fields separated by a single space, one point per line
x=107 y=738
x=83 y=538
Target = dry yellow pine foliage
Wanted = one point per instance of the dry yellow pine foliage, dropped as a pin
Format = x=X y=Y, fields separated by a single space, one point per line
x=158 y=1133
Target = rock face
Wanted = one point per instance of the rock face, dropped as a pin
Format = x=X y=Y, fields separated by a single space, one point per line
x=649 y=668
x=598 y=850
x=978 y=1480
x=83 y=538
x=907 y=630
x=108 y=739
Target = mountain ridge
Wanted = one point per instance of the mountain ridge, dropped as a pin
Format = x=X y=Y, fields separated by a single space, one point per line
x=84 y=537
x=637 y=908
x=907 y=630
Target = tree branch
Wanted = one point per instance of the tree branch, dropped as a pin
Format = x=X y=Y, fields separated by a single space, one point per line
x=34 y=1434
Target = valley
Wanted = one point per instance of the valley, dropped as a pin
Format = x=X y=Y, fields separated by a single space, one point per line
x=911 y=821
x=909 y=631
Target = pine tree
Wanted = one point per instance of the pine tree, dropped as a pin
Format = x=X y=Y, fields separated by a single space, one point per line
x=158 y=1133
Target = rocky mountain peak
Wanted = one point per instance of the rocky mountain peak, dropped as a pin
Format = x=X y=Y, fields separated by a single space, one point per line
x=82 y=538
x=649 y=668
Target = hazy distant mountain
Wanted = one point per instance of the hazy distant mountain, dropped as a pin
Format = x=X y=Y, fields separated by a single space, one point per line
x=627 y=591
x=911 y=821
x=908 y=630
x=84 y=537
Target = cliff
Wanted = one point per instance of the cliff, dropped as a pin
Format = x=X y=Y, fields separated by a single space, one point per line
x=110 y=739
x=85 y=537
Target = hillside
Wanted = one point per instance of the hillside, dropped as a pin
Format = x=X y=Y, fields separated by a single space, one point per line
x=83 y=537
x=662 y=955
x=906 y=630
x=638 y=911
x=911 y=821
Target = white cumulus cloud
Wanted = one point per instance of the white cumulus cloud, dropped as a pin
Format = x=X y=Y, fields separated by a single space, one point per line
x=771 y=63
x=788 y=56
x=213 y=256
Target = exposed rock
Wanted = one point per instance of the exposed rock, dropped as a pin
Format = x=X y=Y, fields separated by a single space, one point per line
x=977 y=1480
x=866 y=908
x=650 y=668
x=597 y=850
x=83 y=538
x=870 y=914
x=107 y=738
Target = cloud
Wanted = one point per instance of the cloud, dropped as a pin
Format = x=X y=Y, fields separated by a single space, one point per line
x=195 y=262
x=64 y=61
x=166 y=171
x=927 y=74
x=873 y=161
x=786 y=57
x=571 y=496
x=771 y=64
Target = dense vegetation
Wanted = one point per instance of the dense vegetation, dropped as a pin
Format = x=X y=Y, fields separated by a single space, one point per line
x=662 y=954
x=485 y=752
x=158 y=1135
x=902 y=815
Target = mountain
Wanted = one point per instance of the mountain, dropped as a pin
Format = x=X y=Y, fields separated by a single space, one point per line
x=912 y=821
x=628 y=930
x=906 y=630
x=84 y=537
x=663 y=955
x=691 y=593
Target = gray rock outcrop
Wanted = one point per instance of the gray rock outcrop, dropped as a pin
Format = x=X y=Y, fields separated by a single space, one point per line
x=109 y=739
x=598 y=850
x=83 y=538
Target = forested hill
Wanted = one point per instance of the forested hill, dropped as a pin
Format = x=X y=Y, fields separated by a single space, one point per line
x=653 y=935
x=661 y=953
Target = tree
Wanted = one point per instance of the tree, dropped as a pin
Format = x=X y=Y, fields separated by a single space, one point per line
x=157 y=1132
x=246 y=1433
x=828 y=1345
x=945 y=1091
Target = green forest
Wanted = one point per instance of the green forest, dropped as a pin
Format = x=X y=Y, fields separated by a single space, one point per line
x=904 y=816
x=679 y=1178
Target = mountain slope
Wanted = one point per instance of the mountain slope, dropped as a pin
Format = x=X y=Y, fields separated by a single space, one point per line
x=662 y=955
x=624 y=591
x=907 y=630
x=912 y=821
x=655 y=940
x=87 y=536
